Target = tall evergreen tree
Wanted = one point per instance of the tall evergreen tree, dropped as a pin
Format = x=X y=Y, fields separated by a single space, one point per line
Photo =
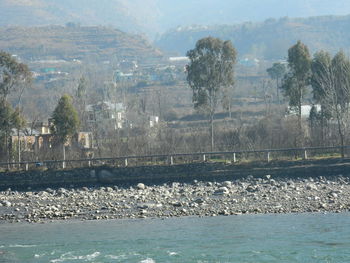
x=210 y=72
x=276 y=72
x=9 y=119
x=297 y=79
x=65 y=121
x=12 y=74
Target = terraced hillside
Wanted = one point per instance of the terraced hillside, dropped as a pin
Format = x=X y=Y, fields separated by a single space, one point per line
x=74 y=42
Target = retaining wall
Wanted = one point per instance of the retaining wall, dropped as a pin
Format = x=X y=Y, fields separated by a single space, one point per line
x=173 y=173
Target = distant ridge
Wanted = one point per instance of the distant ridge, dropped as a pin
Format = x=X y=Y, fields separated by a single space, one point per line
x=157 y=16
x=268 y=40
x=123 y=14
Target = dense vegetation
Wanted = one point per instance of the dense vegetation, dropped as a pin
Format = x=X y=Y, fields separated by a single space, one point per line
x=268 y=40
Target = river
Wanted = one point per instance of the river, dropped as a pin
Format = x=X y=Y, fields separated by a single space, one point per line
x=245 y=238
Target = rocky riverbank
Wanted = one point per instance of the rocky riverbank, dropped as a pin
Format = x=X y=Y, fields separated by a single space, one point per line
x=242 y=196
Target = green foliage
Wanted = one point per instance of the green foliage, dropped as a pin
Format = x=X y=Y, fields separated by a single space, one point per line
x=81 y=89
x=9 y=118
x=277 y=71
x=298 y=77
x=12 y=74
x=65 y=119
x=299 y=62
x=211 y=69
x=19 y=121
x=210 y=73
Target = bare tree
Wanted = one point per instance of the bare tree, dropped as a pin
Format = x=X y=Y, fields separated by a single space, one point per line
x=331 y=85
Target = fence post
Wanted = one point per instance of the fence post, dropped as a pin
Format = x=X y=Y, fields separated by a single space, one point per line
x=126 y=162
x=234 y=157
x=204 y=158
x=171 y=160
x=305 y=155
x=89 y=163
x=26 y=167
x=268 y=157
x=64 y=164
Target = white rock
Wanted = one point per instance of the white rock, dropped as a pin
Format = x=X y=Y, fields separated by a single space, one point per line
x=6 y=203
x=227 y=184
x=140 y=186
x=221 y=191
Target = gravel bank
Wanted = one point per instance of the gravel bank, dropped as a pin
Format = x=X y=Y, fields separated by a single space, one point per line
x=244 y=196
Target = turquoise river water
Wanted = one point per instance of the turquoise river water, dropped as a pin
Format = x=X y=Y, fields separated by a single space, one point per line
x=246 y=238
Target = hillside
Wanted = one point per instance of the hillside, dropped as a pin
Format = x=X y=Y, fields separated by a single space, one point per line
x=74 y=42
x=268 y=40
x=60 y=55
x=122 y=14
x=157 y=16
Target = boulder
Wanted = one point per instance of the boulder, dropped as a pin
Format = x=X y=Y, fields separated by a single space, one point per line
x=311 y=187
x=227 y=184
x=221 y=191
x=140 y=186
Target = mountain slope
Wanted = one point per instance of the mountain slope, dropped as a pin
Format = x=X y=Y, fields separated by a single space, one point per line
x=122 y=14
x=210 y=12
x=270 y=39
x=74 y=42
x=157 y=16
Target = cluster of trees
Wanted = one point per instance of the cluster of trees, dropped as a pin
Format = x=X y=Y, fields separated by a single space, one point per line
x=15 y=77
x=328 y=78
x=211 y=75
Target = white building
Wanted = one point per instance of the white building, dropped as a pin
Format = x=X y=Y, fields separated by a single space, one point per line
x=106 y=115
x=305 y=110
x=153 y=121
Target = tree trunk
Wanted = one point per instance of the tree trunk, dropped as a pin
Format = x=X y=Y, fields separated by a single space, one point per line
x=64 y=156
x=7 y=151
x=19 y=149
x=278 y=92
x=212 y=131
x=341 y=135
x=300 y=133
x=230 y=109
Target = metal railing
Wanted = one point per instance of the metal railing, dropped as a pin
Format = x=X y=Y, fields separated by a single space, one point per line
x=170 y=159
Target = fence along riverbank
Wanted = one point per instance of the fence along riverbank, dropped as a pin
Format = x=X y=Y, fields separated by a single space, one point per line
x=265 y=155
x=111 y=173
